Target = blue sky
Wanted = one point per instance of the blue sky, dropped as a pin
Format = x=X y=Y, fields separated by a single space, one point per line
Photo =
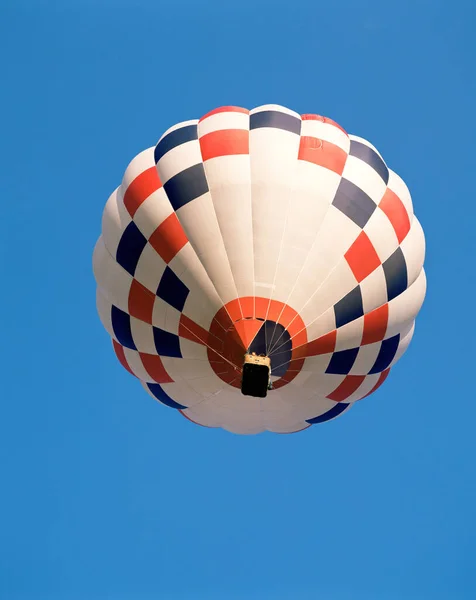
x=107 y=495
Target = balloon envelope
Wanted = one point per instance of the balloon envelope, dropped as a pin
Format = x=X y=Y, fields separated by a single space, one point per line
x=260 y=231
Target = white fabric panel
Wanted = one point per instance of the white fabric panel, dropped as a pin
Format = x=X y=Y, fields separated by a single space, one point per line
x=140 y=163
x=403 y=309
x=158 y=313
x=226 y=409
x=287 y=396
x=413 y=248
x=327 y=132
x=405 y=340
x=327 y=251
x=282 y=422
x=115 y=219
x=187 y=368
x=204 y=414
x=143 y=336
x=135 y=363
x=240 y=425
x=153 y=212
x=312 y=407
x=114 y=281
x=150 y=268
x=204 y=301
x=275 y=107
x=232 y=398
x=104 y=306
x=199 y=221
x=338 y=284
x=366 y=359
x=365 y=387
x=314 y=364
x=273 y=157
x=201 y=226
x=286 y=428
x=223 y=120
x=180 y=125
x=193 y=350
x=179 y=391
x=172 y=319
x=364 y=177
x=313 y=192
x=374 y=290
x=178 y=159
x=381 y=234
x=322 y=384
x=350 y=335
x=209 y=385
x=229 y=181
x=356 y=138
x=322 y=325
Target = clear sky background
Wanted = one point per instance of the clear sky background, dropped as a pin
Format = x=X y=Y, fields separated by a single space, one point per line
x=105 y=494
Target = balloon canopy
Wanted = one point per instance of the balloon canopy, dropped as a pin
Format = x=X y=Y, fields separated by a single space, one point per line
x=260 y=232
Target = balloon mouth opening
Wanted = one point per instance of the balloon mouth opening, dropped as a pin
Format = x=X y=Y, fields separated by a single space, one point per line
x=256 y=325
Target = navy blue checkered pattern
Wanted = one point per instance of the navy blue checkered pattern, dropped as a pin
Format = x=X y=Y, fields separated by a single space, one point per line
x=342 y=361
x=349 y=308
x=172 y=290
x=166 y=343
x=175 y=138
x=121 y=325
x=158 y=392
x=186 y=186
x=369 y=156
x=387 y=353
x=335 y=411
x=396 y=275
x=354 y=202
x=276 y=119
x=130 y=247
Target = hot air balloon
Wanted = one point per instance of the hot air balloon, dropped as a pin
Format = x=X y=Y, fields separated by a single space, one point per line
x=260 y=269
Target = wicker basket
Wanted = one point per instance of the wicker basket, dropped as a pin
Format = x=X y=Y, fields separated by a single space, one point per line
x=255 y=380
x=258 y=360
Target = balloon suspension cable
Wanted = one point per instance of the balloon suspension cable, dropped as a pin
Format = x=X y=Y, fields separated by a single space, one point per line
x=237 y=369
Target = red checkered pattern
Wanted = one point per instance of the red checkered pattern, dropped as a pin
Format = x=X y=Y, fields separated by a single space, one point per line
x=152 y=364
